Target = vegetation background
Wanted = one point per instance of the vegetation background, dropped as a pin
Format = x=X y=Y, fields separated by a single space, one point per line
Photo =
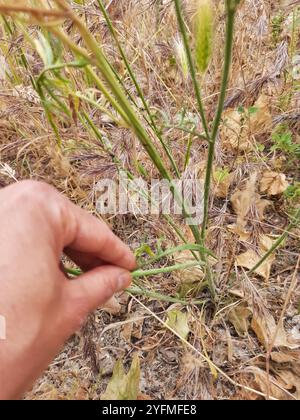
x=177 y=334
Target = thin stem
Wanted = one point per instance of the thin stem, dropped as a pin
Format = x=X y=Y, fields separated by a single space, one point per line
x=139 y=290
x=194 y=132
x=135 y=123
x=217 y=120
x=146 y=273
x=102 y=109
x=143 y=193
x=138 y=88
x=59 y=66
x=276 y=244
x=181 y=24
x=95 y=56
x=163 y=298
x=172 y=251
x=107 y=94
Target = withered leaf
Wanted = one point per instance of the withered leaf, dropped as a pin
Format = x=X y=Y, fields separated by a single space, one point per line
x=239 y=128
x=250 y=258
x=239 y=317
x=112 y=306
x=242 y=202
x=264 y=327
x=273 y=183
x=124 y=386
x=178 y=321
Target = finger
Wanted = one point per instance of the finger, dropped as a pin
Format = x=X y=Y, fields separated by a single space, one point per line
x=85 y=261
x=94 y=288
x=92 y=236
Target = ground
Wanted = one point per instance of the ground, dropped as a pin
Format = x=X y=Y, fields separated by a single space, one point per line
x=245 y=343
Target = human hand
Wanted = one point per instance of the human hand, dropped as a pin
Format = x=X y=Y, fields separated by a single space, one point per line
x=41 y=306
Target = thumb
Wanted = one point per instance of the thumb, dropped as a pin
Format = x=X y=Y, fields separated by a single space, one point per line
x=93 y=289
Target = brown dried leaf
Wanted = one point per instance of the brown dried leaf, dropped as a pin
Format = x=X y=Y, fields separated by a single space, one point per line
x=264 y=326
x=250 y=258
x=238 y=129
x=134 y=328
x=222 y=184
x=285 y=357
x=239 y=317
x=243 y=199
x=242 y=233
x=290 y=381
x=242 y=202
x=127 y=331
x=267 y=383
x=261 y=206
x=273 y=183
x=112 y=306
x=261 y=120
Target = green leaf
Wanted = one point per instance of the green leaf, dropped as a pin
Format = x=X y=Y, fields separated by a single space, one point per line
x=144 y=249
x=44 y=49
x=178 y=321
x=180 y=248
x=124 y=386
x=252 y=110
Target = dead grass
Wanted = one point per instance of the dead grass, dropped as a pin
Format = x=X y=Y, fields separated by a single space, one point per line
x=230 y=337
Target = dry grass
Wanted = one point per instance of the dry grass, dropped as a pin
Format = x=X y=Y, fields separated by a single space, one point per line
x=170 y=368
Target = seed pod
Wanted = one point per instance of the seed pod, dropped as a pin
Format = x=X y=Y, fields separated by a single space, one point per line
x=181 y=57
x=203 y=28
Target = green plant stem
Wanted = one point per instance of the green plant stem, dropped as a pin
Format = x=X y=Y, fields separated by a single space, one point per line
x=59 y=66
x=138 y=88
x=183 y=31
x=163 y=298
x=127 y=112
x=139 y=290
x=59 y=104
x=96 y=57
x=276 y=244
x=49 y=115
x=131 y=177
x=146 y=273
x=102 y=109
x=107 y=94
x=120 y=102
x=193 y=132
x=172 y=251
x=216 y=124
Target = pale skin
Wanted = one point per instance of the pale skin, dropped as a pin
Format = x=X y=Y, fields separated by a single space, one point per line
x=41 y=305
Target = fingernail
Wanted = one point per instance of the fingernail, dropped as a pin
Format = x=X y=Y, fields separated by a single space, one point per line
x=124 y=280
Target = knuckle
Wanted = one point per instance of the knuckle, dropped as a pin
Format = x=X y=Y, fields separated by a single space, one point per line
x=41 y=198
x=33 y=192
x=108 y=287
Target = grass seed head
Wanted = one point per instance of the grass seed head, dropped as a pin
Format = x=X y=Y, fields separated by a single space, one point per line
x=181 y=57
x=203 y=28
